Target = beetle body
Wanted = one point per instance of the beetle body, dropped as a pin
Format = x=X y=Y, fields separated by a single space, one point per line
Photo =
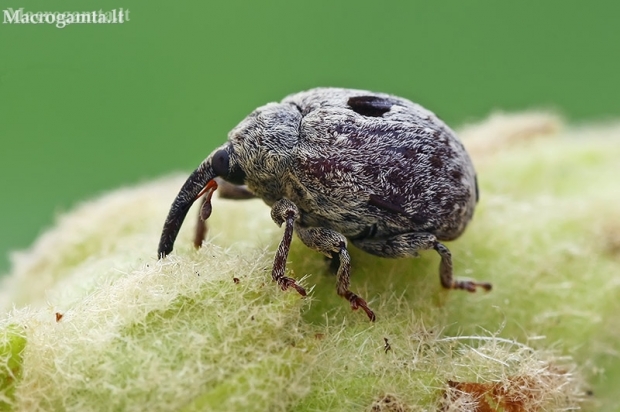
x=338 y=164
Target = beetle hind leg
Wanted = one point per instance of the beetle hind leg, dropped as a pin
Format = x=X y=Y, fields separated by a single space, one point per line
x=334 y=245
x=445 y=273
x=408 y=245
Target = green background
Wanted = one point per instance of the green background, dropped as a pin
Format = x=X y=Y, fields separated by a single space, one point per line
x=88 y=108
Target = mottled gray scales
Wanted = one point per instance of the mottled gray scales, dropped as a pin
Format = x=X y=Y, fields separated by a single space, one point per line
x=337 y=164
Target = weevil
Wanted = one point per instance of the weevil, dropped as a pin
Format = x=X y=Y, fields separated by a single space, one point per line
x=341 y=165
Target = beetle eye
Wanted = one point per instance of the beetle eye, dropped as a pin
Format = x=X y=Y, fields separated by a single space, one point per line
x=220 y=163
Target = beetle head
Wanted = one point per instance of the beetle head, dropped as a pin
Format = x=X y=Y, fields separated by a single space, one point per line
x=222 y=162
x=258 y=148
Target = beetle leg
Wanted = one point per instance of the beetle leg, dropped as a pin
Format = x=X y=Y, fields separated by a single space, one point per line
x=330 y=242
x=408 y=244
x=445 y=273
x=226 y=190
x=284 y=211
x=229 y=190
x=204 y=213
x=200 y=232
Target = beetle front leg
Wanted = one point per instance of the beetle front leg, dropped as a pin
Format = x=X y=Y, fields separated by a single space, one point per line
x=226 y=190
x=284 y=211
x=328 y=242
x=200 y=231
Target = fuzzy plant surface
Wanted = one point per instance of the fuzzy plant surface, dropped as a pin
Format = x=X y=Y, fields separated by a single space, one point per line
x=92 y=321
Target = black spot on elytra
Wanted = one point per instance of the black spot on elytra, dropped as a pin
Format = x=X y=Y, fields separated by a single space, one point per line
x=408 y=152
x=370 y=105
x=436 y=161
x=456 y=174
x=385 y=205
x=416 y=190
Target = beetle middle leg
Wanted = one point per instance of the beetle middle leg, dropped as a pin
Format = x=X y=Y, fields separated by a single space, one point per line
x=408 y=244
x=333 y=244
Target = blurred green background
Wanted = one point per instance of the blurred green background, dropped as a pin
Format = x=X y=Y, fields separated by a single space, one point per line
x=88 y=108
